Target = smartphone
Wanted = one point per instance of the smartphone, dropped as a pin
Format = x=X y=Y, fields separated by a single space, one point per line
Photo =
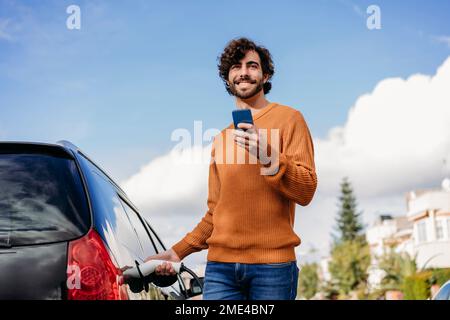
x=242 y=115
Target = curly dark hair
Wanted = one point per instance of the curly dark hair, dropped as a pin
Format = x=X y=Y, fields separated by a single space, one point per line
x=235 y=51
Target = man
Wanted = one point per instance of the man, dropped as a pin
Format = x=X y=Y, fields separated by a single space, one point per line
x=248 y=227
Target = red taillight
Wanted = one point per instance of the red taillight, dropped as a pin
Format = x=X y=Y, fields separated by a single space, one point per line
x=91 y=273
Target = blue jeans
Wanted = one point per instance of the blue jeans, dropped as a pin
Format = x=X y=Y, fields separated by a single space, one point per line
x=242 y=281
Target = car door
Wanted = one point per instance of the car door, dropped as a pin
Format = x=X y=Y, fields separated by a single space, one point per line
x=120 y=226
x=181 y=286
x=148 y=244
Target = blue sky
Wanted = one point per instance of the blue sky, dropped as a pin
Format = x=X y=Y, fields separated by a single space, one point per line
x=137 y=70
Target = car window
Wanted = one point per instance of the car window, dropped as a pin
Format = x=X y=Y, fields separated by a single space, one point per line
x=42 y=199
x=110 y=217
x=148 y=247
x=444 y=293
x=156 y=239
x=148 y=243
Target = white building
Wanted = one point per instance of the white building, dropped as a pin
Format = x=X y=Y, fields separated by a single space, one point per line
x=424 y=232
x=385 y=233
x=390 y=232
x=429 y=210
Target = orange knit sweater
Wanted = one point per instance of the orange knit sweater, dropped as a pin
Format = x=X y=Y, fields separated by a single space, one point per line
x=250 y=216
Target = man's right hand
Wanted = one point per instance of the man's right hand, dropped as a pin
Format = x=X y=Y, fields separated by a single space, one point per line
x=165 y=269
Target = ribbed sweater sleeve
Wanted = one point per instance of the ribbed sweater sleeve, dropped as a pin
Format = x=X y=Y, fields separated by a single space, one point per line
x=196 y=239
x=296 y=177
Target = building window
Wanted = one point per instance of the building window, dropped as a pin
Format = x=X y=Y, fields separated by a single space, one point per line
x=439 y=230
x=421 y=232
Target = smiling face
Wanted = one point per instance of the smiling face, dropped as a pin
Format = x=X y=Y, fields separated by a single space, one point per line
x=246 y=78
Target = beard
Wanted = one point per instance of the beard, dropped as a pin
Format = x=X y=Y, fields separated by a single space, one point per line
x=248 y=94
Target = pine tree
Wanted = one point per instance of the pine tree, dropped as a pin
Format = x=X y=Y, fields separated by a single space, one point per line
x=348 y=265
x=350 y=254
x=348 y=225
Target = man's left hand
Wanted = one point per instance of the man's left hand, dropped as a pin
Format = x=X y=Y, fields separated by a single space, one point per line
x=250 y=139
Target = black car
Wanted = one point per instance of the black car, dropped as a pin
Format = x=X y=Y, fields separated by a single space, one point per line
x=68 y=231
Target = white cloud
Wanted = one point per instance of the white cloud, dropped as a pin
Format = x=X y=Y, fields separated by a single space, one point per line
x=172 y=183
x=394 y=140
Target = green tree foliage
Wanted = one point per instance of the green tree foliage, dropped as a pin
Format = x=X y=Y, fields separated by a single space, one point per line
x=330 y=289
x=350 y=254
x=417 y=286
x=348 y=225
x=396 y=266
x=308 y=283
x=440 y=276
x=348 y=265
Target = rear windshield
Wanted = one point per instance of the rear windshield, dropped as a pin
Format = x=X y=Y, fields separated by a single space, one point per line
x=41 y=200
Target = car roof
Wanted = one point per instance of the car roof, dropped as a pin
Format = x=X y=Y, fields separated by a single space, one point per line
x=26 y=146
